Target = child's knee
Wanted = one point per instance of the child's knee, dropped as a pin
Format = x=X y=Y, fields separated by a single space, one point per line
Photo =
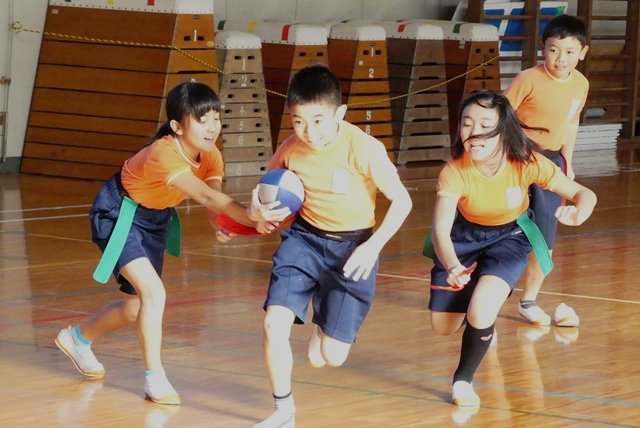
x=445 y=323
x=277 y=323
x=153 y=296
x=447 y=330
x=335 y=352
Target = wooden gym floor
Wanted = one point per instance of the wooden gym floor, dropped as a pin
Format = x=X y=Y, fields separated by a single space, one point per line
x=398 y=373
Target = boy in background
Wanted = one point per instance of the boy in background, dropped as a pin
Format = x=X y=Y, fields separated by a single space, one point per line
x=551 y=95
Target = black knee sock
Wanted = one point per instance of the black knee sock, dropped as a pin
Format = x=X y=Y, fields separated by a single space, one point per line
x=475 y=343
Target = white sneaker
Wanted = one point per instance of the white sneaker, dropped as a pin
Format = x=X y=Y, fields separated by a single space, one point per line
x=463 y=395
x=160 y=391
x=535 y=315
x=565 y=316
x=279 y=419
x=85 y=361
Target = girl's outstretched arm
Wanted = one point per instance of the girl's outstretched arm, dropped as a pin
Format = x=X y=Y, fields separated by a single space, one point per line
x=584 y=201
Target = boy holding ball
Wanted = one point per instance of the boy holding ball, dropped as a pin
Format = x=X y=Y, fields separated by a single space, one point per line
x=330 y=253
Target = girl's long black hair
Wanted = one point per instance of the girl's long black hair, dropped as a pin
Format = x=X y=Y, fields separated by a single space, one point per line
x=516 y=144
x=188 y=98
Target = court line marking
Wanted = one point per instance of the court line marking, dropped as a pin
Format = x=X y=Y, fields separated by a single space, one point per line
x=423 y=279
x=53 y=217
x=221 y=256
x=188 y=207
x=61 y=207
x=412 y=376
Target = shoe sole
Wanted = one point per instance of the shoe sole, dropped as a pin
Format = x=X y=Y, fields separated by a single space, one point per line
x=172 y=400
x=567 y=322
x=91 y=375
x=466 y=403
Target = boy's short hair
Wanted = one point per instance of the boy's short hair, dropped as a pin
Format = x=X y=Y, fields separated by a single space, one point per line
x=314 y=84
x=565 y=26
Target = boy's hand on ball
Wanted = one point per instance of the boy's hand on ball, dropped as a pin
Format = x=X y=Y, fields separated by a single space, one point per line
x=262 y=213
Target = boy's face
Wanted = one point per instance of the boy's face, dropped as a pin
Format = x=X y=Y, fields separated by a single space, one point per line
x=316 y=123
x=561 y=56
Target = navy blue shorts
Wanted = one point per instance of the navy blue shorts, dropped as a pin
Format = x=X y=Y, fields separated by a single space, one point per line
x=544 y=203
x=147 y=237
x=500 y=251
x=307 y=266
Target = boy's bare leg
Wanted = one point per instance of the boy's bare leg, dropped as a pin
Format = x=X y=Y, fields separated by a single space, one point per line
x=279 y=360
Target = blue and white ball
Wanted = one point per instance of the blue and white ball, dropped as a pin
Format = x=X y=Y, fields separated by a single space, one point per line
x=284 y=186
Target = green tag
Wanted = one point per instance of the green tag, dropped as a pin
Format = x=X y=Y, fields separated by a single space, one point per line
x=427 y=247
x=173 y=235
x=540 y=248
x=531 y=231
x=117 y=240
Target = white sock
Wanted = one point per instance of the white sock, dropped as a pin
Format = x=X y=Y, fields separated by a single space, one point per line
x=156 y=382
x=283 y=415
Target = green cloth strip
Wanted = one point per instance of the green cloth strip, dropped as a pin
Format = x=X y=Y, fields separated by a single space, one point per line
x=530 y=230
x=537 y=241
x=119 y=235
x=117 y=240
x=173 y=234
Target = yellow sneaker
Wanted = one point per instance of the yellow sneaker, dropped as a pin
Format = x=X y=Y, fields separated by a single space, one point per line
x=84 y=360
x=160 y=391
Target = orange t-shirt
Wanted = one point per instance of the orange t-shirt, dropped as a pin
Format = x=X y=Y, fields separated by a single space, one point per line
x=341 y=179
x=497 y=200
x=541 y=100
x=148 y=175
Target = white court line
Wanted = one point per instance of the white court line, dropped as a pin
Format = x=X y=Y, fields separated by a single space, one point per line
x=41 y=235
x=188 y=207
x=53 y=217
x=424 y=279
x=65 y=207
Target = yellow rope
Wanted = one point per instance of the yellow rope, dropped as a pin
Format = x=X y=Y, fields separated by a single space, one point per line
x=17 y=28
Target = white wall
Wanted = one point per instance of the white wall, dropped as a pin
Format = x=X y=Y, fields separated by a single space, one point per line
x=21 y=67
x=325 y=10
